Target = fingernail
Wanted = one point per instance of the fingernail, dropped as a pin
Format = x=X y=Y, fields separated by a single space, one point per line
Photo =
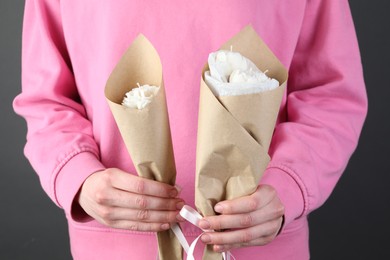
x=218 y=208
x=173 y=193
x=204 y=224
x=206 y=239
x=180 y=205
x=218 y=248
x=165 y=226
x=178 y=188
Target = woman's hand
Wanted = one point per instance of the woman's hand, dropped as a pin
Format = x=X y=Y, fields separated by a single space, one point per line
x=253 y=220
x=121 y=200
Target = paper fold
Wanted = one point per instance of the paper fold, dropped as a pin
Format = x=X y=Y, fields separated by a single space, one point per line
x=145 y=132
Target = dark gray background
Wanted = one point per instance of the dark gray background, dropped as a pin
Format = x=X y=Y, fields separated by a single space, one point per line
x=353 y=223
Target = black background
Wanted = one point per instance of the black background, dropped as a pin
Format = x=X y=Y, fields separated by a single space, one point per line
x=353 y=223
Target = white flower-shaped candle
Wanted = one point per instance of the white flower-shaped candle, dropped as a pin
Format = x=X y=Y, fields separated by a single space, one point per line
x=140 y=97
x=232 y=74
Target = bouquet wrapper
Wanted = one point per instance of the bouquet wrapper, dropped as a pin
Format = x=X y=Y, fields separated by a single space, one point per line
x=234 y=132
x=145 y=132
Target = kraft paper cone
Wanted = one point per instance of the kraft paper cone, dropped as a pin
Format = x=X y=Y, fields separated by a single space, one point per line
x=234 y=132
x=146 y=132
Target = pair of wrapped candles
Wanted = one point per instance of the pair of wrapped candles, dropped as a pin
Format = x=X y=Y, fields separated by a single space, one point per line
x=240 y=96
x=230 y=74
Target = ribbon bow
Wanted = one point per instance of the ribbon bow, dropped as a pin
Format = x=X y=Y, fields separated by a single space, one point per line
x=192 y=216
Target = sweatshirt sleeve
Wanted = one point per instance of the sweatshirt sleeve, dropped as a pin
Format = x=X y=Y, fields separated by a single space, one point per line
x=325 y=110
x=60 y=144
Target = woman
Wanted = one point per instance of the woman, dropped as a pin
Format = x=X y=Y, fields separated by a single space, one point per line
x=70 y=48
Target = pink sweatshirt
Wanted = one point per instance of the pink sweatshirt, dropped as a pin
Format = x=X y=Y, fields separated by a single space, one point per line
x=70 y=48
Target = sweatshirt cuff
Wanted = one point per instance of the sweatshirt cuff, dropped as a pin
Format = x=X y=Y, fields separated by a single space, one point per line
x=288 y=192
x=72 y=176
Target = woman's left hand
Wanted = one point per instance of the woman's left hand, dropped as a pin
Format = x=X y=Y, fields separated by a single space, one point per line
x=252 y=220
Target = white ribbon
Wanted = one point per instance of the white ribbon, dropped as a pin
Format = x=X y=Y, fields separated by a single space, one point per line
x=192 y=216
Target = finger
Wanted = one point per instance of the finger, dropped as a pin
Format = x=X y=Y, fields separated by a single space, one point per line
x=272 y=211
x=246 y=204
x=222 y=222
x=256 y=242
x=143 y=215
x=131 y=183
x=242 y=236
x=139 y=226
x=124 y=199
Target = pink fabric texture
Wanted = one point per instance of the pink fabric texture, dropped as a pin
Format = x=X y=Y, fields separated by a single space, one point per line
x=70 y=48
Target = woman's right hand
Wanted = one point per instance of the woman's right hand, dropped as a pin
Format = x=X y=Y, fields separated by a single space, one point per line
x=121 y=200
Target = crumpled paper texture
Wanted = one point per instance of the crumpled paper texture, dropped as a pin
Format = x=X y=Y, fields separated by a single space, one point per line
x=145 y=132
x=235 y=132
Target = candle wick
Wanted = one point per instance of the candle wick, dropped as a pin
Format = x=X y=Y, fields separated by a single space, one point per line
x=266 y=71
x=138 y=84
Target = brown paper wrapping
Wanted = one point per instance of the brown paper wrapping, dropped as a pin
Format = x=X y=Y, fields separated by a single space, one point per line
x=146 y=132
x=234 y=132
